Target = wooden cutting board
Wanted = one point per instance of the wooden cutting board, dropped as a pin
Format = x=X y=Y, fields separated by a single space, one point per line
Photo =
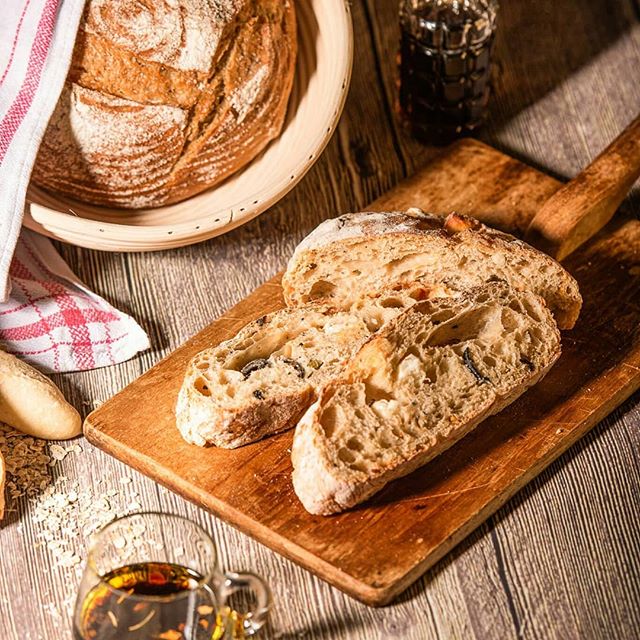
x=377 y=550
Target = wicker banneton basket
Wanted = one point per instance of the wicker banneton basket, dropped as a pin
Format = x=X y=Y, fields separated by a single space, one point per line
x=323 y=70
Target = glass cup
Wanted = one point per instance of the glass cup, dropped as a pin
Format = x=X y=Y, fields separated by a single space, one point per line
x=154 y=575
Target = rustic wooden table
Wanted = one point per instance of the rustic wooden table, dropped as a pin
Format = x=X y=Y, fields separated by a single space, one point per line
x=562 y=559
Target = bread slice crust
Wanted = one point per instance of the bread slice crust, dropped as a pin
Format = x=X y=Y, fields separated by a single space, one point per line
x=359 y=252
x=262 y=380
x=416 y=387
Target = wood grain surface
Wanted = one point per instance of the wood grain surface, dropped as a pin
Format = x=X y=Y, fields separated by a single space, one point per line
x=435 y=507
x=559 y=560
x=584 y=205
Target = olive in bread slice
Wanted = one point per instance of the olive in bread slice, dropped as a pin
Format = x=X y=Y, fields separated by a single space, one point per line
x=261 y=381
x=417 y=386
x=345 y=257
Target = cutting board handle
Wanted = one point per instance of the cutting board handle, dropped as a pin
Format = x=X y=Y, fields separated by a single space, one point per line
x=579 y=209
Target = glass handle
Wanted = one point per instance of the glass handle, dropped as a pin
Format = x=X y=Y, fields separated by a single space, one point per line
x=243 y=625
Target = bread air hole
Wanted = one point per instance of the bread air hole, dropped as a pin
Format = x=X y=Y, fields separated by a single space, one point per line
x=489 y=361
x=384 y=442
x=321 y=289
x=354 y=444
x=328 y=419
x=537 y=335
x=392 y=303
x=532 y=310
x=516 y=305
x=462 y=327
x=374 y=393
x=201 y=385
x=509 y=320
x=344 y=455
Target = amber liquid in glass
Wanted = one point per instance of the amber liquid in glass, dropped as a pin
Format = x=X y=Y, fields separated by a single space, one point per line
x=180 y=610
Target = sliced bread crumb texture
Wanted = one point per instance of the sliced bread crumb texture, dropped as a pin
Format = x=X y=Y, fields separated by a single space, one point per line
x=421 y=383
x=261 y=381
x=347 y=257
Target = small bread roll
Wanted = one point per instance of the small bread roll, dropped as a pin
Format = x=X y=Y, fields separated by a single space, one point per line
x=31 y=403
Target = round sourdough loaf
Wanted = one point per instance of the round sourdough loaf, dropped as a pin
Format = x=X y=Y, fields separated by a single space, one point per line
x=165 y=99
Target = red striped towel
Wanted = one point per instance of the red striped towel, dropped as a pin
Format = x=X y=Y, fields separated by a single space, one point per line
x=54 y=322
x=47 y=315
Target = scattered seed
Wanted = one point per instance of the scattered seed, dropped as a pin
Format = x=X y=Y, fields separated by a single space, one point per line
x=120 y=542
x=57 y=452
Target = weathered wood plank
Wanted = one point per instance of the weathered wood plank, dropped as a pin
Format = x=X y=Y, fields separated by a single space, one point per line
x=567 y=87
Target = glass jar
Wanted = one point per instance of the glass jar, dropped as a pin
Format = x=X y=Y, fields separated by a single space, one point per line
x=445 y=66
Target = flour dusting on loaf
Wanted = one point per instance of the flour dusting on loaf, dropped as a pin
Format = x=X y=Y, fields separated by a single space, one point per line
x=164 y=100
x=186 y=38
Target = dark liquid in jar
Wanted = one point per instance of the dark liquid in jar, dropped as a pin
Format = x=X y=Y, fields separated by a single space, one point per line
x=114 y=610
x=443 y=94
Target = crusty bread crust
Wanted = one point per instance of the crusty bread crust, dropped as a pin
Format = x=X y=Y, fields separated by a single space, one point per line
x=458 y=251
x=261 y=381
x=166 y=100
x=325 y=480
x=31 y=403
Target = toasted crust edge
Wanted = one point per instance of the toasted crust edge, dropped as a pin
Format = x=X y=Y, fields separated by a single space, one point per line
x=355 y=227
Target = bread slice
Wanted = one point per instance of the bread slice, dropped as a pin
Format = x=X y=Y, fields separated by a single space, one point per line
x=261 y=381
x=362 y=252
x=416 y=387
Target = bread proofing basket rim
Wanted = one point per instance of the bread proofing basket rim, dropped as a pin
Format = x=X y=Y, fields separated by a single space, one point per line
x=325 y=57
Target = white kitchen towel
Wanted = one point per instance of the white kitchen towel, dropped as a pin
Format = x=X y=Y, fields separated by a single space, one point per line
x=54 y=322
x=36 y=43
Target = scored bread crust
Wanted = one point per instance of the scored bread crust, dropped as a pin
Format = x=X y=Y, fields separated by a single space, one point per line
x=164 y=100
x=368 y=251
x=329 y=477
